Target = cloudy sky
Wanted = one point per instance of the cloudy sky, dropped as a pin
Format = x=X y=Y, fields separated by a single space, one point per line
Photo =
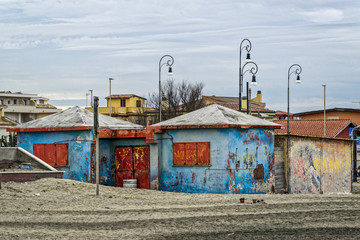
x=61 y=49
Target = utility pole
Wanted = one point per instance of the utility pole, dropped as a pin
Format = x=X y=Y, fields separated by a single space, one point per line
x=96 y=127
x=91 y=99
x=110 y=79
x=324 y=85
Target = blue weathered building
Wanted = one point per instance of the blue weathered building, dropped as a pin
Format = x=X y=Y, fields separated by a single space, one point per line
x=65 y=141
x=216 y=150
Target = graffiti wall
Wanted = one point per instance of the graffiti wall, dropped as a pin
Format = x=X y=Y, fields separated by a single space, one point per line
x=227 y=160
x=319 y=165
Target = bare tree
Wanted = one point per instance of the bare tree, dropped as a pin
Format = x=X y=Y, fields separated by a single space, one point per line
x=177 y=98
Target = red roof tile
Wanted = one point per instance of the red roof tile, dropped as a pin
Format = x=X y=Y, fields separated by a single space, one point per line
x=314 y=127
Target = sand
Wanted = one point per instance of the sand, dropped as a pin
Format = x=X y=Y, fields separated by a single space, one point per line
x=66 y=209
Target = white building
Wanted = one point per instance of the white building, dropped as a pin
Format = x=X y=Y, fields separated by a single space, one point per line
x=23 y=107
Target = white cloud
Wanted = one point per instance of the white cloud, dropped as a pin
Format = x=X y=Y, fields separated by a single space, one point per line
x=323 y=15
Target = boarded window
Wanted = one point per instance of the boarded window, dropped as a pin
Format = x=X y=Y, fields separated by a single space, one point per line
x=54 y=154
x=191 y=154
x=138 y=103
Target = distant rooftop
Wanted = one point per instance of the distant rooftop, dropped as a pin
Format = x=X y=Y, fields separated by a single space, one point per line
x=328 y=110
x=76 y=117
x=233 y=103
x=216 y=115
x=314 y=127
x=122 y=96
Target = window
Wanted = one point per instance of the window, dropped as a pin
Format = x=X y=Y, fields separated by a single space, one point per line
x=2 y=101
x=191 y=154
x=9 y=101
x=42 y=101
x=138 y=103
x=25 y=102
x=122 y=103
x=15 y=101
x=54 y=154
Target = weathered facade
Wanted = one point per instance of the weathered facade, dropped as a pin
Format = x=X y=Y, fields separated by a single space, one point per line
x=216 y=150
x=315 y=164
x=65 y=140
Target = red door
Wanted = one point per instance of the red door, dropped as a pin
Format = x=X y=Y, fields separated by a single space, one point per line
x=133 y=163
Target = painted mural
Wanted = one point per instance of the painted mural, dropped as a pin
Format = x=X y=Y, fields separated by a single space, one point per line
x=241 y=160
x=319 y=165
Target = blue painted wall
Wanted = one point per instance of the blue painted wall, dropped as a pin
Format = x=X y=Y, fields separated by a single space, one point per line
x=79 y=149
x=235 y=154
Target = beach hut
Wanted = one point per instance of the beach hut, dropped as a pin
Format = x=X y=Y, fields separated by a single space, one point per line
x=216 y=150
x=65 y=141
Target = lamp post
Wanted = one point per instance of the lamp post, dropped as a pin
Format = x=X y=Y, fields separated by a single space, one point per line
x=324 y=85
x=110 y=79
x=91 y=99
x=168 y=63
x=247 y=46
x=297 y=71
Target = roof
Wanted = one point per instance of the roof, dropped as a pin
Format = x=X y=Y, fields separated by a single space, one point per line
x=122 y=96
x=76 y=117
x=216 y=116
x=314 y=127
x=328 y=110
x=45 y=106
x=233 y=103
x=282 y=113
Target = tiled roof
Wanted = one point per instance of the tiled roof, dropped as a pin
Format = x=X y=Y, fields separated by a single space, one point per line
x=314 y=127
x=233 y=103
x=121 y=96
x=216 y=115
x=328 y=110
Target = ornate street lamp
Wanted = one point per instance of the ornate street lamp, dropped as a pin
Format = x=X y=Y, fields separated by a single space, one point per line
x=168 y=63
x=253 y=70
x=297 y=71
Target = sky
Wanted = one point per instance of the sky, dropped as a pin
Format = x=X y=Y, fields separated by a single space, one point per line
x=60 y=49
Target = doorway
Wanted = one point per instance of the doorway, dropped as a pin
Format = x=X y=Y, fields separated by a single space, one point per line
x=133 y=162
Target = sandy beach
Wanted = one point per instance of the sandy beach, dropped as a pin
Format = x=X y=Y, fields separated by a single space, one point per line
x=66 y=209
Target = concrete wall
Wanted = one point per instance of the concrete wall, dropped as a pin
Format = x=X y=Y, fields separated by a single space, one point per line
x=79 y=150
x=317 y=165
x=242 y=161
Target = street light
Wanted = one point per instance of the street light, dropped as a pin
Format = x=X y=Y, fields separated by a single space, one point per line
x=110 y=79
x=297 y=71
x=168 y=63
x=252 y=70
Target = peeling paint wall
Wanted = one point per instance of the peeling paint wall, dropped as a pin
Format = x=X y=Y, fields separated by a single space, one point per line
x=79 y=150
x=318 y=165
x=242 y=161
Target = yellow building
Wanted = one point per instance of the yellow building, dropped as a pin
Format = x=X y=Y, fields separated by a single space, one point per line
x=128 y=107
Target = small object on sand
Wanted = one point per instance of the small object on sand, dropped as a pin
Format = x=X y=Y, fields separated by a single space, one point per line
x=37 y=194
x=128 y=197
x=258 y=201
x=242 y=200
x=110 y=196
x=29 y=208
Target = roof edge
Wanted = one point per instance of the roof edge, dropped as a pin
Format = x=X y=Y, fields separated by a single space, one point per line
x=219 y=126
